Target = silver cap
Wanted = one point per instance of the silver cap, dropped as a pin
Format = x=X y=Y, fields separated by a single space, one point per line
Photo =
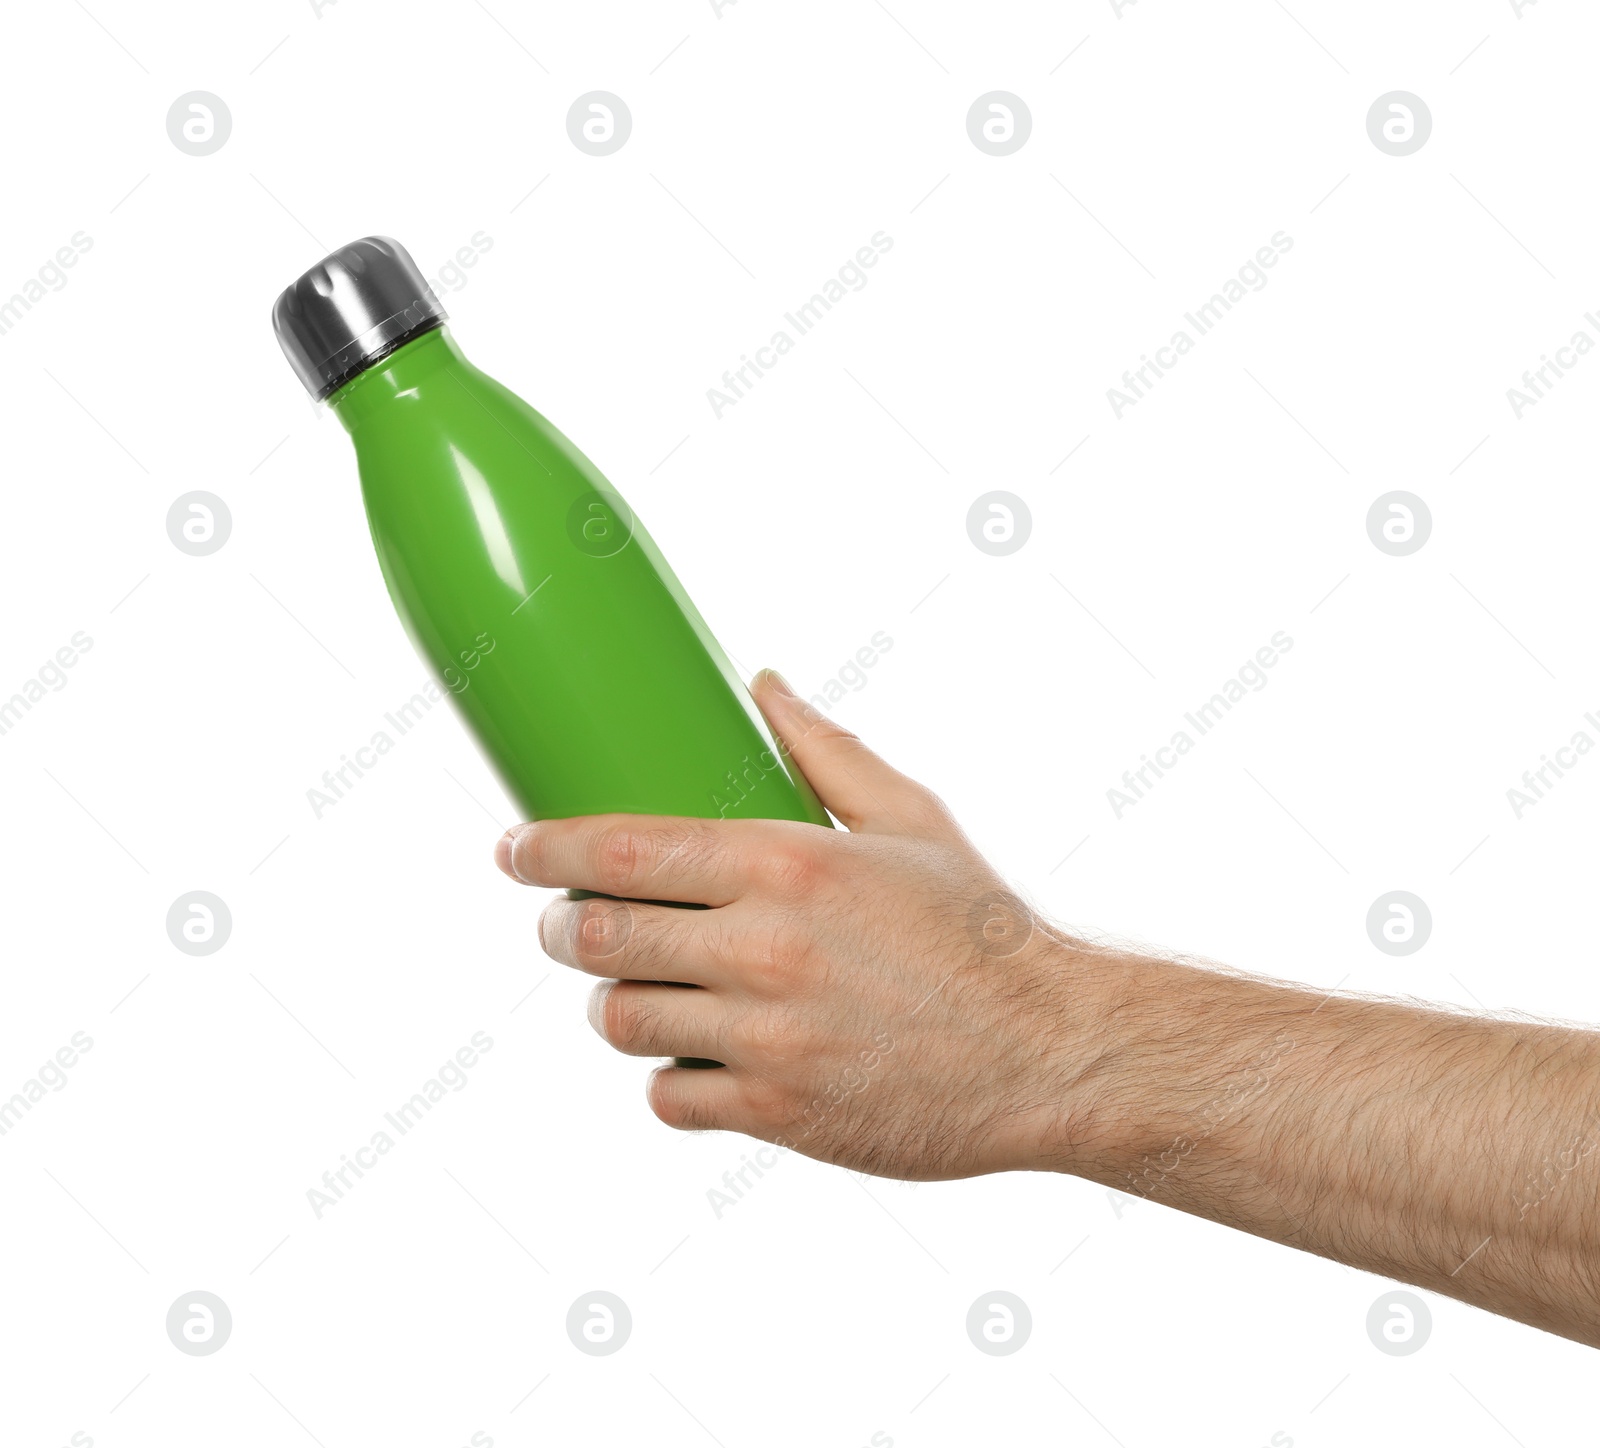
x=351 y=310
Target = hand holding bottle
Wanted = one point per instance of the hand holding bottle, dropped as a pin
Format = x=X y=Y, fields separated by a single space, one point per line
x=865 y=990
x=883 y=1002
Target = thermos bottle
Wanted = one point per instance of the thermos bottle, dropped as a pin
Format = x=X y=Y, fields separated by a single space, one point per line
x=540 y=603
x=525 y=581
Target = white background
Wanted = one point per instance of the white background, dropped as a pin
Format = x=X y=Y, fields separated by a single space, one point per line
x=368 y=945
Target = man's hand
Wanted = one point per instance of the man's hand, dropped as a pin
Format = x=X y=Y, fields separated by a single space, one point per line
x=882 y=1001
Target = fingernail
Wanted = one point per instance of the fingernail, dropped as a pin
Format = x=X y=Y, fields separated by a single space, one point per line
x=505 y=852
x=781 y=684
x=596 y=1010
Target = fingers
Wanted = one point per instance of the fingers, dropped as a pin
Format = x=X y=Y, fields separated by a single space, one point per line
x=640 y=857
x=630 y=941
x=691 y=1100
x=861 y=790
x=642 y=1018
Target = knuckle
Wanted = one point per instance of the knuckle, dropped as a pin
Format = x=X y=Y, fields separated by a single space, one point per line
x=817 y=724
x=792 y=870
x=919 y=810
x=825 y=726
x=768 y=1105
x=624 y=1017
x=617 y=858
x=782 y=955
x=932 y=813
x=600 y=931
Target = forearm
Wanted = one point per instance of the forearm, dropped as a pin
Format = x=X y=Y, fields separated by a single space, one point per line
x=1452 y=1151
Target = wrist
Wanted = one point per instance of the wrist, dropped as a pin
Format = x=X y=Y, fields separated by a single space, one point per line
x=1178 y=1059
x=1069 y=1110
x=1094 y=1126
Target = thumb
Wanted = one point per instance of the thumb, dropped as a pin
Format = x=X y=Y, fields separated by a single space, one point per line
x=862 y=791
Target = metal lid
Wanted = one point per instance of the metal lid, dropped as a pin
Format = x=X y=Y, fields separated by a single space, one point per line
x=351 y=310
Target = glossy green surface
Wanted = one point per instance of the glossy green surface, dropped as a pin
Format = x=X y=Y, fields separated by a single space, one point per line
x=573 y=653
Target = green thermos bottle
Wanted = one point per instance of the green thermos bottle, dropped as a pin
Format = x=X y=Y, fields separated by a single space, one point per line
x=590 y=680
x=525 y=581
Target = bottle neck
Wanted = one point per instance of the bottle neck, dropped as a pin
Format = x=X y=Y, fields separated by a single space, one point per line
x=399 y=377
